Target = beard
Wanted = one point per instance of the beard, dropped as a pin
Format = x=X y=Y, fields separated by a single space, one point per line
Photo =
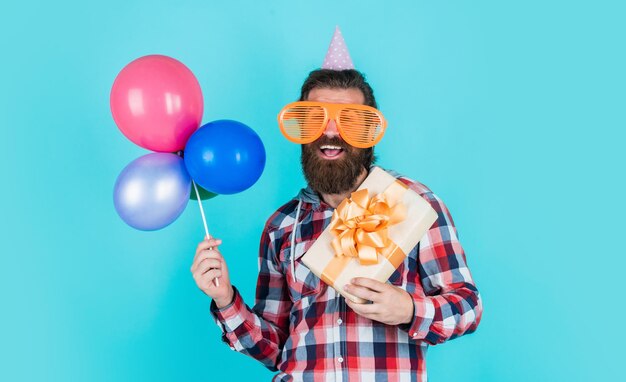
x=338 y=175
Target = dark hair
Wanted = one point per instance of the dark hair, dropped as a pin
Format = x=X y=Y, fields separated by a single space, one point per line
x=343 y=79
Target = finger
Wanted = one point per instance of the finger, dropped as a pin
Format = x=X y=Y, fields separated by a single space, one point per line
x=206 y=254
x=369 y=283
x=212 y=242
x=362 y=292
x=205 y=281
x=206 y=244
x=366 y=310
x=207 y=264
x=202 y=246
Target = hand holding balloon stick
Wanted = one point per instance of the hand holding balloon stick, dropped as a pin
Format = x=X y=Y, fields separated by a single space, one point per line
x=206 y=228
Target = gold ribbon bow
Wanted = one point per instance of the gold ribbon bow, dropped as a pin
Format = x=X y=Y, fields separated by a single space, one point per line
x=360 y=223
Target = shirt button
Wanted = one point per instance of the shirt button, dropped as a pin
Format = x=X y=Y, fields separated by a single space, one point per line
x=339 y=321
x=340 y=359
x=414 y=335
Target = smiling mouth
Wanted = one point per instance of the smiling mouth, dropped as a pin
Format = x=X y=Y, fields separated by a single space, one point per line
x=331 y=151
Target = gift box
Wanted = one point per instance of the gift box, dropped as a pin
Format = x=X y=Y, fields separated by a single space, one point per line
x=370 y=233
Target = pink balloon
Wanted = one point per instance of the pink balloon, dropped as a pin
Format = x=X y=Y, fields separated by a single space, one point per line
x=156 y=102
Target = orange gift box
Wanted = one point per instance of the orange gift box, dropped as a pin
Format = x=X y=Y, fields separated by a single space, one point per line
x=370 y=233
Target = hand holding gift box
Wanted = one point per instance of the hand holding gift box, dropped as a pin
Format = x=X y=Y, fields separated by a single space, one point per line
x=370 y=233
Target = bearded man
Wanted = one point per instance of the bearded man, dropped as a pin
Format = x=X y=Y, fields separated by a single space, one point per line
x=306 y=330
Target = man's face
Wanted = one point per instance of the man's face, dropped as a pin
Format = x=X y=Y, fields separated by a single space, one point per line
x=330 y=165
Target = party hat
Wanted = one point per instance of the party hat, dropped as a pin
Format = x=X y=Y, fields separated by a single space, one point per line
x=337 y=57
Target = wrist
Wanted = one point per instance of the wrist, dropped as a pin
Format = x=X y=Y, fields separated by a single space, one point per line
x=411 y=310
x=225 y=301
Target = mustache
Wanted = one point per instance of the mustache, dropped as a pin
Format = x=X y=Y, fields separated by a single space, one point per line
x=335 y=141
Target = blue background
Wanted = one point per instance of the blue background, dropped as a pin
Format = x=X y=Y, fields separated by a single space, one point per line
x=512 y=112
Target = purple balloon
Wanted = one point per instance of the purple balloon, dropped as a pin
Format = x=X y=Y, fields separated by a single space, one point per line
x=152 y=191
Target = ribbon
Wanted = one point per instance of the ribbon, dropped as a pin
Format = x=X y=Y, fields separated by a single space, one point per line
x=360 y=228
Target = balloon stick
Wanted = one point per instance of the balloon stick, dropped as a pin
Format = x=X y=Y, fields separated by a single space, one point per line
x=206 y=228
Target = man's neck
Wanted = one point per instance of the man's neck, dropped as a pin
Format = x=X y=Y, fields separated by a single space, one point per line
x=333 y=200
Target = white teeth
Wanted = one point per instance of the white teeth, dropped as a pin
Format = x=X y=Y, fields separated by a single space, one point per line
x=330 y=147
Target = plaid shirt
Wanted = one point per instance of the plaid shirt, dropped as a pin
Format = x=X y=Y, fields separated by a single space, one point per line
x=305 y=329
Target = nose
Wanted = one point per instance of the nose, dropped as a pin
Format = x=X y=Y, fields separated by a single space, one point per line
x=331 y=129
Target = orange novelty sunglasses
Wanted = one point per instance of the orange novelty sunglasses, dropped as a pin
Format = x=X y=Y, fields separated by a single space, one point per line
x=359 y=125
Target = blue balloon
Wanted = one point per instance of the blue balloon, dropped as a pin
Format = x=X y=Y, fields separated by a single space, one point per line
x=152 y=191
x=225 y=157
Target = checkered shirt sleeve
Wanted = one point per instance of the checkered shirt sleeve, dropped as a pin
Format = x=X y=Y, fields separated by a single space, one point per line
x=446 y=301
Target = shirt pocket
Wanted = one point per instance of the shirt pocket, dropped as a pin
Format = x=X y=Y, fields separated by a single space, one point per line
x=305 y=283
